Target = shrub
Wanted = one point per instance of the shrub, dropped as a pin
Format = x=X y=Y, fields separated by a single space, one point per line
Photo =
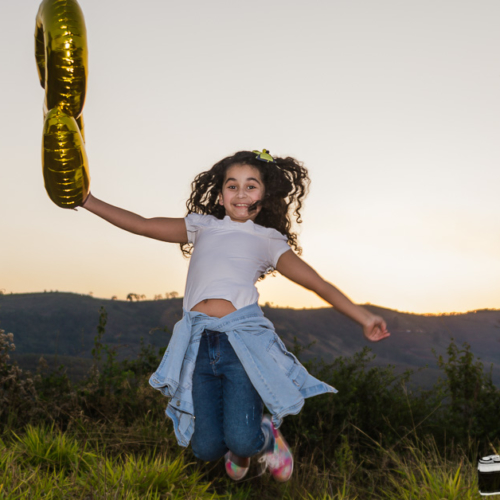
x=471 y=402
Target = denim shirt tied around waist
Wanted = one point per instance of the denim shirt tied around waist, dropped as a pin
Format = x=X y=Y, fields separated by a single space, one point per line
x=279 y=378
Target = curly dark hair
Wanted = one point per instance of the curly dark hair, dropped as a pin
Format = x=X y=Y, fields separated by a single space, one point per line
x=286 y=183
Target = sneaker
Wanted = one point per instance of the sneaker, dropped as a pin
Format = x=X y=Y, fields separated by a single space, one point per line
x=280 y=459
x=234 y=471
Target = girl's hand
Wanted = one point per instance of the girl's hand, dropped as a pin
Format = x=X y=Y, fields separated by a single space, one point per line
x=375 y=329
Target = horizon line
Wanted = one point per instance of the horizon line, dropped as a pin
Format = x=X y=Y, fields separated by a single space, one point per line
x=143 y=298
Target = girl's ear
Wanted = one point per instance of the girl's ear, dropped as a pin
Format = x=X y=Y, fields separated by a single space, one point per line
x=221 y=201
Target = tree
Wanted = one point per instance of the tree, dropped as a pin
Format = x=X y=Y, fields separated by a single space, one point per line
x=135 y=296
x=472 y=399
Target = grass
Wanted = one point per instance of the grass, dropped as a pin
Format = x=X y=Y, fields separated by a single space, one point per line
x=44 y=462
x=422 y=474
x=47 y=463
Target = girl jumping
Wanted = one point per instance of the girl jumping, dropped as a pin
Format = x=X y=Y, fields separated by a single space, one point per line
x=225 y=362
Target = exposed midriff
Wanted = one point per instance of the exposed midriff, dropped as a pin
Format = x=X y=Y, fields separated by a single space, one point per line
x=217 y=308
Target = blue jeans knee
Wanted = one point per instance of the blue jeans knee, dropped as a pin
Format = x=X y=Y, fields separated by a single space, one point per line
x=209 y=450
x=246 y=444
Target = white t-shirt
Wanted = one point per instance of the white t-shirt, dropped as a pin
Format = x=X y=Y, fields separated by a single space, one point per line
x=228 y=258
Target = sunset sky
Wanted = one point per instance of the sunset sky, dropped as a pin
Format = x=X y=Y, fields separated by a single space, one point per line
x=393 y=106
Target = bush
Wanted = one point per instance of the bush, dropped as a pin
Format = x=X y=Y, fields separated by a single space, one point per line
x=373 y=404
x=17 y=391
x=471 y=402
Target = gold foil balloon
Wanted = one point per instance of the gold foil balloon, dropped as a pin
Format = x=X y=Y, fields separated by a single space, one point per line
x=65 y=165
x=61 y=58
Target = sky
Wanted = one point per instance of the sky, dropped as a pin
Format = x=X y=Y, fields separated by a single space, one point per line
x=394 y=107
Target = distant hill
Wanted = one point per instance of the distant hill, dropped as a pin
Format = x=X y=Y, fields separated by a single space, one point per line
x=62 y=327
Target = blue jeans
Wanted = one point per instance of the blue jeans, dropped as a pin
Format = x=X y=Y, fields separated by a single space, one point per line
x=227 y=408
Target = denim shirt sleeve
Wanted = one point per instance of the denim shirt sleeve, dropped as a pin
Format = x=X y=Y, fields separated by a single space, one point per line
x=174 y=376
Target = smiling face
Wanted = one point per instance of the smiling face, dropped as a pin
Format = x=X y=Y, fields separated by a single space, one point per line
x=242 y=188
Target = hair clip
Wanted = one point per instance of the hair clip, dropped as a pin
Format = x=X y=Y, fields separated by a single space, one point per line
x=264 y=156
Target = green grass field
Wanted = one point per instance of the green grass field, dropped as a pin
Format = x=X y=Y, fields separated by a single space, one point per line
x=94 y=462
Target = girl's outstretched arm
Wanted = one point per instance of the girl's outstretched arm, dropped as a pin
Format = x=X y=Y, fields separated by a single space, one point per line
x=295 y=269
x=172 y=230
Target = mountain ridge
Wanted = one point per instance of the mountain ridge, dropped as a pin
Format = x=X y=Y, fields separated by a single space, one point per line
x=64 y=324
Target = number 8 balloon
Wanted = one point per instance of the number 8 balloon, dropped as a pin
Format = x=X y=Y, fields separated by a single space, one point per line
x=61 y=57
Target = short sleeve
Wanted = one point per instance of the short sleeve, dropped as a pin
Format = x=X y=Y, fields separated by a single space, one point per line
x=277 y=247
x=194 y=223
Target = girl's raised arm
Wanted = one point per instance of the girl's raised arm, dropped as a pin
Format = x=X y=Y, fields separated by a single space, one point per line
x=172 y=230
x=295 y=269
